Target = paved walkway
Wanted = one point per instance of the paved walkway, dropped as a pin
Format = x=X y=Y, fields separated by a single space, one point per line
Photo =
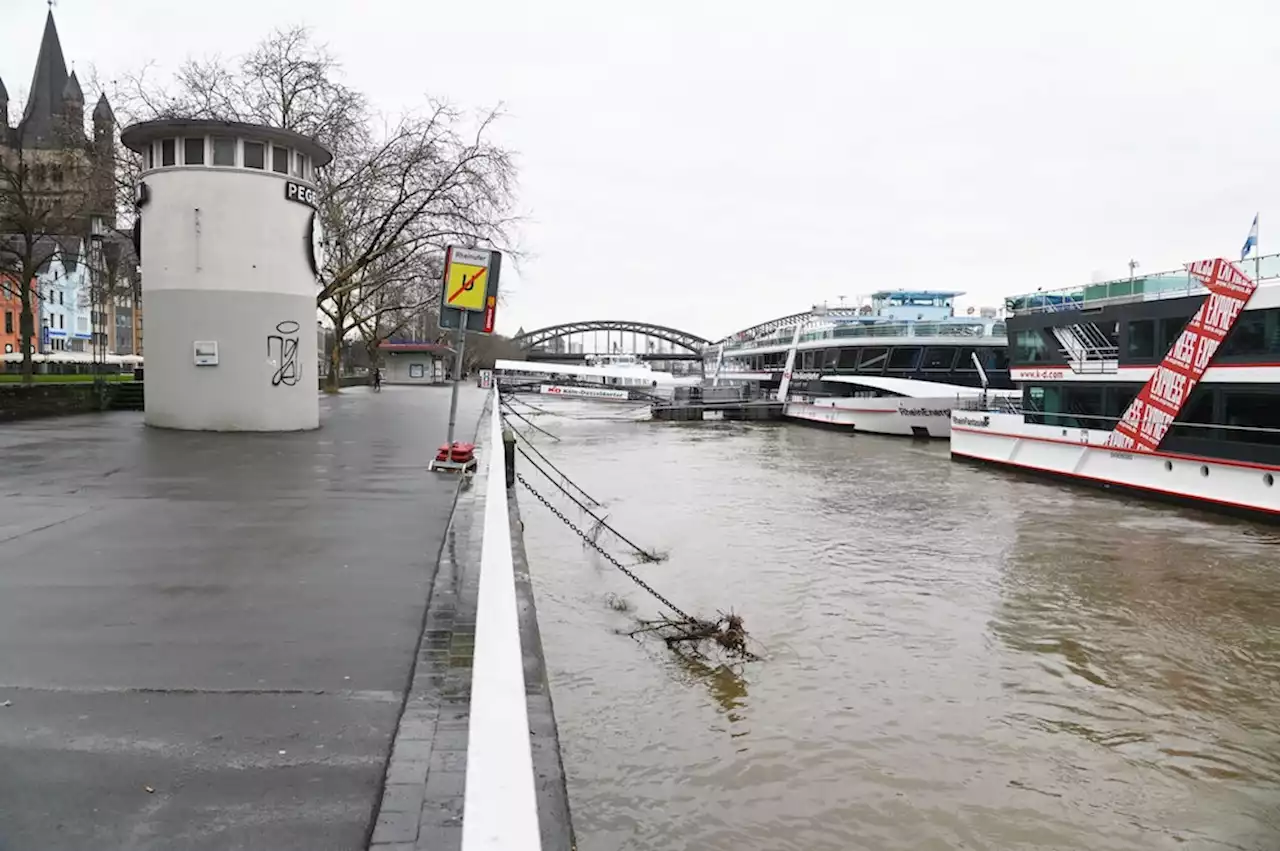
x=205 y=640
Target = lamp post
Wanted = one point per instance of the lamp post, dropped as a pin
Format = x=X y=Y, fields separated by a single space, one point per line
x=97 y=232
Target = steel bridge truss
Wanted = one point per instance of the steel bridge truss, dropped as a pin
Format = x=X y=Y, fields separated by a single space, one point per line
x=533 y=339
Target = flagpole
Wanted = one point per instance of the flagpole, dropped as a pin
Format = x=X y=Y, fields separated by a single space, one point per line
x=1257 y=258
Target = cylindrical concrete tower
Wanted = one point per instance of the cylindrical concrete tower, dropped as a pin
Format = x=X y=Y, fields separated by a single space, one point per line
x=230 y=245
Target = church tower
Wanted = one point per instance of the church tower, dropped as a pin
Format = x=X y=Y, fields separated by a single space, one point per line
x=52 y=126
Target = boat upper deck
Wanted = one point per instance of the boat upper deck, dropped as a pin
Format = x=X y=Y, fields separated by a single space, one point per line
x=854 y=332
x=1153 y=287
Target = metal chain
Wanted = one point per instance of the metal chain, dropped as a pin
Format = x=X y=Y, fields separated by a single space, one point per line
x=585 y=537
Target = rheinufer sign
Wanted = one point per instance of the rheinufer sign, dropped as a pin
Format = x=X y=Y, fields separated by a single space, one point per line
x=469 y=291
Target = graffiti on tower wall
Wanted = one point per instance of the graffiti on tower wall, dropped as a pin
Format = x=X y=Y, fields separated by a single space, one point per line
x=282 y=351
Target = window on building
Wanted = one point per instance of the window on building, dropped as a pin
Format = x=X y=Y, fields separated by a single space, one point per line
x=193 y=151
x=904 y=358
x=168 y=152
x=1028 y=347
x=224 y=151
x=938 y=357
x=60 y=296
x=255 y=155
x=1142 y=340
x=872 y=360
x=151 y=155
x=303 y=166
x=8 y=321
x=279 y=159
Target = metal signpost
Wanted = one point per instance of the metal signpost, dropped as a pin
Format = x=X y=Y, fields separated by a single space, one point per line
x=468 y=303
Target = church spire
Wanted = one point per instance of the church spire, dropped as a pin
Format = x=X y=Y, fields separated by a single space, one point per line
x=45 y=102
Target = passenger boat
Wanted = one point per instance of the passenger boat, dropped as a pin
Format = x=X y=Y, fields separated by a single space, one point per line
x=896 y=363
x=1167 y=386
x=612 y=378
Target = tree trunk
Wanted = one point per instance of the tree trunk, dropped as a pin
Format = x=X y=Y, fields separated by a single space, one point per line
x=25 y=322
x=333 y=381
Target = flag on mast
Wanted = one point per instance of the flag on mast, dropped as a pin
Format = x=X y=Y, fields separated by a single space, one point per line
x=1252 y=242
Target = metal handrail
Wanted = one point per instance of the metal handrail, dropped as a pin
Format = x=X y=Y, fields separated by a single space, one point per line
x=1013 y=405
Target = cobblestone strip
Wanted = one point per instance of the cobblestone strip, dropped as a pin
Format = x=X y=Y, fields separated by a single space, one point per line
x=421 y=807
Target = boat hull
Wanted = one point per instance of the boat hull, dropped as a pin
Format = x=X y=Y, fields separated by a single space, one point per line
x=1081 y=456
x=603 y=393
x=905 y=417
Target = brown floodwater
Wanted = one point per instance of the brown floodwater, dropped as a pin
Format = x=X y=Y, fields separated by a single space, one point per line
x=957 y=657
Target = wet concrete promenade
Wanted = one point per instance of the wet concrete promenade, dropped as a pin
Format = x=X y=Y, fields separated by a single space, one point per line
x=206 y=641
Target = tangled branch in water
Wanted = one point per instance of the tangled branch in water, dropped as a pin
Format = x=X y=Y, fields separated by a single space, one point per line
x=692 y=635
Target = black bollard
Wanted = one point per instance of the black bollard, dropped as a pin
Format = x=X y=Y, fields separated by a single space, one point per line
x=509 y=452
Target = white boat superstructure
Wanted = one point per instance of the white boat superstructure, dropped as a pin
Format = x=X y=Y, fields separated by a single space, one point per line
x=896 y=364
x=1167 y=387
x=616 y=373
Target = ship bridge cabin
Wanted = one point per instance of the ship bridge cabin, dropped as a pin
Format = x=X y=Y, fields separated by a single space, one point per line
x=914 y=304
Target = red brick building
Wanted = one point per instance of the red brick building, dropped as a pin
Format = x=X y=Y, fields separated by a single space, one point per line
x=11 y=318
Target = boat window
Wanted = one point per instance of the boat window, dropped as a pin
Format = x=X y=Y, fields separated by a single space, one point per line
x=872 y=359
x=1196 y=413
x=999 y=360
x=1029 y=347
x=830 y=358
x=1087 y=406
x=904 y=358
x=1142 y=339
x=806 y=360
x=1251 y=417
x=964 y=360
x=848 y=358
x=1170 y=329
x=1256 y=332
x=938 y=357
x=1118 y=400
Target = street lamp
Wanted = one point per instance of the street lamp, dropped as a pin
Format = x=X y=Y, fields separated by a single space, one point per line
x=97 y=233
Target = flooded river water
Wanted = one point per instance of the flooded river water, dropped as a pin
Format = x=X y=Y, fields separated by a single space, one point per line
x=957 y=658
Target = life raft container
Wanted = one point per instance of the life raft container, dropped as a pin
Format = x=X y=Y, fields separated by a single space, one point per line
x=462 y=452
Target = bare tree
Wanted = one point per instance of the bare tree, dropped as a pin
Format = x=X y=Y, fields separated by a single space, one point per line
x=49 y=189
x=396 y=193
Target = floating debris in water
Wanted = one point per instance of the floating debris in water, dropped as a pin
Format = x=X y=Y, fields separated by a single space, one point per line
x=693 y=635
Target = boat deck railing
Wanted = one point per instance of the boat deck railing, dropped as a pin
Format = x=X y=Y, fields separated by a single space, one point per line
x=1176 y=283
x=1096 y=422
x=944 y=329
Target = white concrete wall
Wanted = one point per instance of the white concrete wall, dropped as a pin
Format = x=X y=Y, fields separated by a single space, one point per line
x=225 y=259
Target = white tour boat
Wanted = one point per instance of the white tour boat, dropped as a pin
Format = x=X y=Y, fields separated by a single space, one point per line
x=1166 y=386
x=896 y=364
x=615 y=377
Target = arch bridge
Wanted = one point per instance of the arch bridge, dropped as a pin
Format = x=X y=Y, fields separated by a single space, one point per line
x=575 y=340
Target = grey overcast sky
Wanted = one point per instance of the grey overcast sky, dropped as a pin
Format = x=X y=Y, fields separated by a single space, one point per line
x=708 y=165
